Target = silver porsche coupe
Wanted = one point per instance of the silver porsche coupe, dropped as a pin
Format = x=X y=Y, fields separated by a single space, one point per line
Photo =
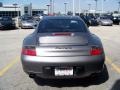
x=62 y=47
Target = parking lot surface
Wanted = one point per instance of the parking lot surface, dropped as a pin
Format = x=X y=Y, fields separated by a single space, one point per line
x=12 y=76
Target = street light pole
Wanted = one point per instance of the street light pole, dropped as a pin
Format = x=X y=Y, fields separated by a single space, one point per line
x=119 y=7
x=15 y=5
x=65 y=8
x=96 y=6
x=53 y=6
x=89 y=7
x=102 y=6
x=73 y=7
x=50 y=6
x=79 y=7
x=48 y=9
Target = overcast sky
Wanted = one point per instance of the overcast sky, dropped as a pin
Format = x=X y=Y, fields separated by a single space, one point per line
x=109 y=5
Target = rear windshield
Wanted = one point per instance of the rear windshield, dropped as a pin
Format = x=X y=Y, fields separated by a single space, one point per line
x=61 y=25
x=27 y=18
x=104 y=18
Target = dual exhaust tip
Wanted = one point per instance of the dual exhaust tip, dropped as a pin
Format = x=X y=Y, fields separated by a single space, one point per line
x=32 y=75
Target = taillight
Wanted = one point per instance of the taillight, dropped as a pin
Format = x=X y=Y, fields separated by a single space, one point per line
x=29 y=51
x=95 y=51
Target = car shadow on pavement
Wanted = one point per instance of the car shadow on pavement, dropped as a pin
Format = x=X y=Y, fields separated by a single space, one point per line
x=84 y=82
x=116 y=86
x=9 y=29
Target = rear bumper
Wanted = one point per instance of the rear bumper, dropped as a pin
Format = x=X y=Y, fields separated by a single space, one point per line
x=27 y=26
x=107 y=24
x=7 y=27
x=44 y=66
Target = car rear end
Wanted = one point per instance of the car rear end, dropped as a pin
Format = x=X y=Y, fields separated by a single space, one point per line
x=27 y=24
x=7 y=23
x=62 y=55
x=107 y=22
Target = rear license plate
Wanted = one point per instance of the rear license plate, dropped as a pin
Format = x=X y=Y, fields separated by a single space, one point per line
x=64 y=71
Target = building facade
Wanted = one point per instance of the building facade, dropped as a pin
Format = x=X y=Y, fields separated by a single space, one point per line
x=15 y=10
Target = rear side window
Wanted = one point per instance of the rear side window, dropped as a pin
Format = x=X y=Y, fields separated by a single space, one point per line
x=61 y=25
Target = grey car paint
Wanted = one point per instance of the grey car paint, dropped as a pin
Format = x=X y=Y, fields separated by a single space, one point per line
x=62 y=51
x=105 y=21
x=28 y=24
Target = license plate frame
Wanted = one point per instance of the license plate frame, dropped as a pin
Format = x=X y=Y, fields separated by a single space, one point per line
x=63 y=71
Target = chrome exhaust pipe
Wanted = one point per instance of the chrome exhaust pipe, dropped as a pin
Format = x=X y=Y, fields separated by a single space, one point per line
x=32 y=75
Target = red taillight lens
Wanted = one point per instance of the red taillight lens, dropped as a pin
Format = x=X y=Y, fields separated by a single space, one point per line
x=30 y=52
x=95 y=51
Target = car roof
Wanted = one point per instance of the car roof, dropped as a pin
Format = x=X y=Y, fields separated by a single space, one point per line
x=62 y=17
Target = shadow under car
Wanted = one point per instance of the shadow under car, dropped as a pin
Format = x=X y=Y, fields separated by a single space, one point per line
x=95 y=79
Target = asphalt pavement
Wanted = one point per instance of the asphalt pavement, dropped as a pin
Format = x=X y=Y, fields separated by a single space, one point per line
x=12 y=76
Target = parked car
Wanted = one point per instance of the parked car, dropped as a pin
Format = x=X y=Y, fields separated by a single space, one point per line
x=92 y=21
x=105 y=21
x=116 y=20
x=27 y=22
x=109 y=16
x=7 y=23
x=62 y=47
x=84 y=18
x=26 y=16
x=36 y=17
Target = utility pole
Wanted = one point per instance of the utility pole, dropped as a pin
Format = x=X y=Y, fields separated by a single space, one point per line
x=65 y=8
x=73 y=7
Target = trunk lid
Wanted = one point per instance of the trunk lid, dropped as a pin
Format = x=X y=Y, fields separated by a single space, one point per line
x=63 y=44
x=63 y=39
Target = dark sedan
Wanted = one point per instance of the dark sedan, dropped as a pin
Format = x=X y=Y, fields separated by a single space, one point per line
x=7 y=23
x=92 y=21
x=116 y=20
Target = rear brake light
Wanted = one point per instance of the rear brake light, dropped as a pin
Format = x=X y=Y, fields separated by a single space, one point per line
x=29 y=51
x=95 y=51
x=62 y=34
